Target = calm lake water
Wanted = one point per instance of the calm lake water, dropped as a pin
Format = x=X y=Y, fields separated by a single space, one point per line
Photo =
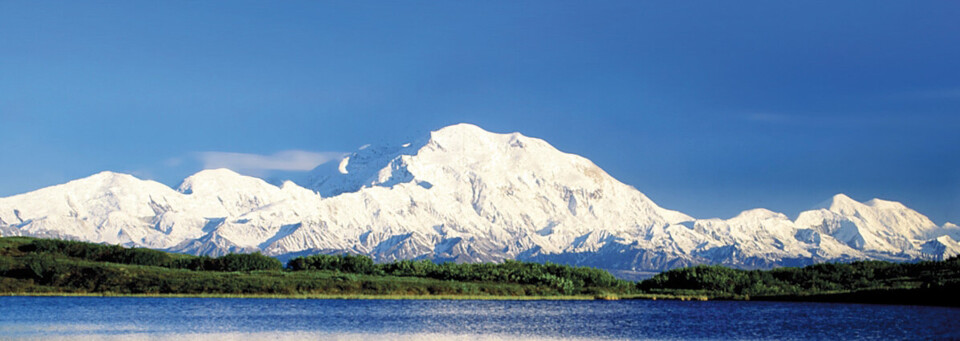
x=205 y=318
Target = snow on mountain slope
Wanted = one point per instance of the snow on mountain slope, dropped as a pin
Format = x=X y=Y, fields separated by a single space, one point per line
x=877 y=225
x=462 y=194
x=504 y=193
x=940 y=248
x=105 y=207
x=121 y=209
x=948 y=229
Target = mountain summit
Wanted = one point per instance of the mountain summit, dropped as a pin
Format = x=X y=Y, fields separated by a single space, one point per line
x=467 y=195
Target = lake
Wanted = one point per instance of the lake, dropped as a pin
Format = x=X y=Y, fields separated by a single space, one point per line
x=203 y=318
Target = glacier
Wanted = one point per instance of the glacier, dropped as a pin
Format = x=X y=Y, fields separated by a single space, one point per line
x=463 y=194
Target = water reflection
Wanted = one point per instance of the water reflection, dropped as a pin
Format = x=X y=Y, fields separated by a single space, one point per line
x=242 y=319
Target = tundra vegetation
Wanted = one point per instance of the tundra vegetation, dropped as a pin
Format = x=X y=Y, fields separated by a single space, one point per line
x=50 y=266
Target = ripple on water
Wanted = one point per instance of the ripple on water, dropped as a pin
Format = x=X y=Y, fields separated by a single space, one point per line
x=255 y=319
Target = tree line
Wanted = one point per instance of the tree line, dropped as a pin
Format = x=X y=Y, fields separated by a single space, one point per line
x=45 y=265
x=564 y=278
x=49 y=265
x=149 y=257
x=815 y=279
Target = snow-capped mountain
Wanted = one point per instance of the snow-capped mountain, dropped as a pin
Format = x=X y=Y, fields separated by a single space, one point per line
x=467 y=195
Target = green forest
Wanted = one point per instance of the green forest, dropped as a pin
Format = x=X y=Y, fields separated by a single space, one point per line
x=37 y=266
x=30 y=266
x=925 y=282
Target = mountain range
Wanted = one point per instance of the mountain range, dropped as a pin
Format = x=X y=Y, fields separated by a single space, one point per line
x=466 y=195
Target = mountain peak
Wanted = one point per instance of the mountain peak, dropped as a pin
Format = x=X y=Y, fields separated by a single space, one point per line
x=462 y=148
x=109 y=176
x=841 y=198
x=466 y=194
x=105 y=179
x=461 y=128
x=840 y=202
x=215 y=173
x=471 y=131
x=466 y=137
x=213 y=180
x=758 y=213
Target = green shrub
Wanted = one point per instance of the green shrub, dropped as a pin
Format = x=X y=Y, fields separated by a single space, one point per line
x=559 y=278
x=247 y=262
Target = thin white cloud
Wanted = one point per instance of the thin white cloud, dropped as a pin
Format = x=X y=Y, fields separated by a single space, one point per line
x=287 y=160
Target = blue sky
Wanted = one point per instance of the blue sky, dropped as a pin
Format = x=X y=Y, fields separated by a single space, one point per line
x=707 y=107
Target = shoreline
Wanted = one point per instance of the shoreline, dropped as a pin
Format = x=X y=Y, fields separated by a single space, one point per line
x=372 y=297
x=316 y=296
x=840 y=298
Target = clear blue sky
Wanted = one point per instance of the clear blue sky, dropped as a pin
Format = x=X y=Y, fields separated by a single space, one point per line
x=707 y=107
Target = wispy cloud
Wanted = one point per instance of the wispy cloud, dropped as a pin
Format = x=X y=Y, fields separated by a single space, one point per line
x=287 y=160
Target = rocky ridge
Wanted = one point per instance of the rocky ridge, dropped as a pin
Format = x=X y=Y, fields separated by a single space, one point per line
x=467 y=195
